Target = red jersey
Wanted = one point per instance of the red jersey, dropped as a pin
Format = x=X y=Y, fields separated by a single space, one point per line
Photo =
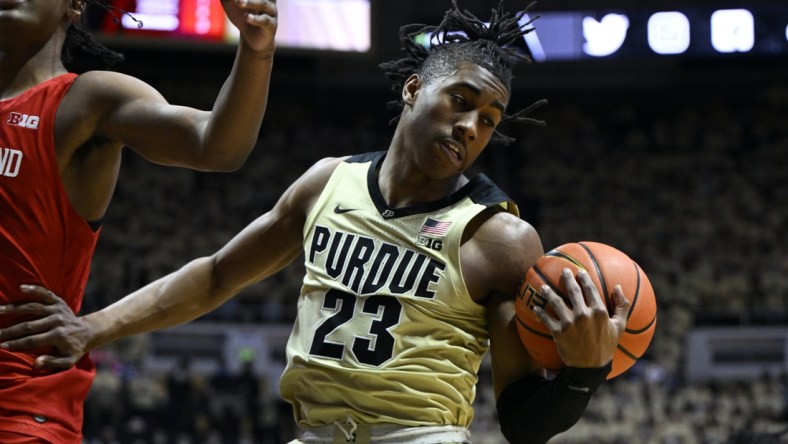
x=43 y=241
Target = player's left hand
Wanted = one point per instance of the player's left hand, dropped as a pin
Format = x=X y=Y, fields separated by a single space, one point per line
x=584 y=333
x=256 y=20
x=54 y=325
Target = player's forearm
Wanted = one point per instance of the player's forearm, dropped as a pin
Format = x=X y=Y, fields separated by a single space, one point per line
x=532 y=410
x=238 y=111
x=174 y=299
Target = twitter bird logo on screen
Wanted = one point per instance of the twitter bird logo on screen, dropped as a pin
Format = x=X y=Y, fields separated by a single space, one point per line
x=604 y=37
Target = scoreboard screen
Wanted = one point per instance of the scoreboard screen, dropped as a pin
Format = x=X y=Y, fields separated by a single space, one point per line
x=334 y=25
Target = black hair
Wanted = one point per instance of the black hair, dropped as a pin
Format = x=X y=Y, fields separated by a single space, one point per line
x=79 y=39
x=462 y=37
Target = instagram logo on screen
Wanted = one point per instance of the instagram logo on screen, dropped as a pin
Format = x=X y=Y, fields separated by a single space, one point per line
x=732 y=30
x=668 y=32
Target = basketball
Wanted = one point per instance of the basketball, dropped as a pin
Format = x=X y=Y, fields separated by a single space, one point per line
x=607 y=267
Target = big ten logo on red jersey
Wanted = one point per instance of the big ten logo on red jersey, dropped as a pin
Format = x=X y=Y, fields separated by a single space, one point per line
x=23 y=120
x=10 y=160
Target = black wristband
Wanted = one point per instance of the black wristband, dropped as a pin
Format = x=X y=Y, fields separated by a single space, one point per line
x=532 y=409
x=585 y=380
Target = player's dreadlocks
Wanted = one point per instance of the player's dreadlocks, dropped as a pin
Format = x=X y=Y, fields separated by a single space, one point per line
x=78 y=38
x=462 y=37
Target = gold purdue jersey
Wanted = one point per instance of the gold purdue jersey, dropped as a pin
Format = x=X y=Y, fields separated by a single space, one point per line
x=386 y=331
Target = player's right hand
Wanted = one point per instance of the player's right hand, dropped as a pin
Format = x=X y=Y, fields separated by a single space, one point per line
x=257 y=22
x=585 y=334
x=54 y=325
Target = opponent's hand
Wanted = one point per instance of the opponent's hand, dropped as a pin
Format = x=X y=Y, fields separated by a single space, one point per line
x=256 y=20
x=585 y=335
x=55 y=326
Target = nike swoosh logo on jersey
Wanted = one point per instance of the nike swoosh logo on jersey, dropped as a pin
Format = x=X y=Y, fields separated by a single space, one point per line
x=579 y=389
x=339 y=210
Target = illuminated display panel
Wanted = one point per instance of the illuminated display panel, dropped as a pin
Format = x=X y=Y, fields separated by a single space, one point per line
x=337 y=25
x=334 y=25
x=692 y=31
x=746 y=28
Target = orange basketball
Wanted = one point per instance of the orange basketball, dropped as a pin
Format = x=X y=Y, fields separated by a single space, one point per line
x=607 y=267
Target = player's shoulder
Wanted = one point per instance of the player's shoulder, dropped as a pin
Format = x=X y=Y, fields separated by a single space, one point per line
x=507 y=227
x=505 y=237
x=109 y=79
x=325 y=167
x=316 y=177
x=304 y=192
x=498 y=247
x=109 y=87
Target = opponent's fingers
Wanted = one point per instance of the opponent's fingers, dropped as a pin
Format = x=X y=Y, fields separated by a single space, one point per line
x=27 y=308
x=27 y=342
x=258 y=7
x=262 y=18
x=44 y=294
x=48 y=302
x=27 y=328
x=47 y=362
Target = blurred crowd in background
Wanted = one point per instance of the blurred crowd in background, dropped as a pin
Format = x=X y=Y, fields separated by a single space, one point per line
x=691 y=186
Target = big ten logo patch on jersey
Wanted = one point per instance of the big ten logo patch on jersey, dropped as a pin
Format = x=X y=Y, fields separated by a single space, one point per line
x=10 y=161
x=430 y=233
x=533 y=298
x=368 y=266
x=23 y=120
x=424 y=241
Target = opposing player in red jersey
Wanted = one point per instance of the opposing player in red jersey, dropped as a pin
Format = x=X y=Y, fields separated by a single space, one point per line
x=61 y=138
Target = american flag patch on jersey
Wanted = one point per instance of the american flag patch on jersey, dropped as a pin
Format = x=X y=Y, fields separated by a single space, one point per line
x=434 y=227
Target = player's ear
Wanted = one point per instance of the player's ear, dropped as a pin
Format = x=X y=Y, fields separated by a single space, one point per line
x=411 y=89
x=75 y=9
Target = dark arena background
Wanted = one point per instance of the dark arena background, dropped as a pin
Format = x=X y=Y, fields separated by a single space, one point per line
x=667 y=137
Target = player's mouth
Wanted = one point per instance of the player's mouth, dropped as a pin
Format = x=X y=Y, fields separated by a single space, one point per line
x=452 y=150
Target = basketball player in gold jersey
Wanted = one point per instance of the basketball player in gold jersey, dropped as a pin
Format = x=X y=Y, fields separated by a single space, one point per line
x=411 y=272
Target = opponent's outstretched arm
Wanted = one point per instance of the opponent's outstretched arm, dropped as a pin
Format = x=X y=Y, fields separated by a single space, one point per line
x=126 y=111
x=261 y=249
